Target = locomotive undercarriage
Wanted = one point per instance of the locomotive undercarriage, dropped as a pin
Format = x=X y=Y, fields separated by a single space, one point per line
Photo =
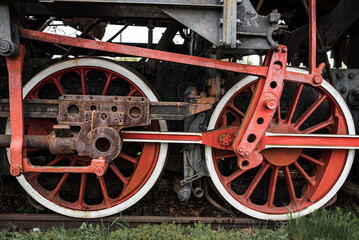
x=277 y=142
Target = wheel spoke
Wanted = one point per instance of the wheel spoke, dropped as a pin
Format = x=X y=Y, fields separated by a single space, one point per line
x=256 y=180
x=128 y=158
x=294 y=103
x=33 y=95
x=289 y=183
x=224 y=154
x=59 y=86
x=272 y=186
x=62 y=181
x=81 y=199
x=319 y=126
x=83 y=81
x=133 y=91
x=236 y=110
x=115 y=169
x=233 y=176
x=309 y=111
x=60 y=184
x=279 y=118
x=252 y=89
x=224 y=120
x=303 y=173
x=108 y=82
x=58 y=159
x=106 y=198
x=310 y=159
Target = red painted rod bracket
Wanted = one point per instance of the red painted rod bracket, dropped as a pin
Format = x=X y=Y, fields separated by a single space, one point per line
x=17 y=146
x=320 y=141
x=314 y=79
x=97 y=166
x=19 y=163
x=215 y=139
x=261 y=110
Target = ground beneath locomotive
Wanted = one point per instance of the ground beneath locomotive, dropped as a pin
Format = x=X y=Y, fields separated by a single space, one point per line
x=162 y=200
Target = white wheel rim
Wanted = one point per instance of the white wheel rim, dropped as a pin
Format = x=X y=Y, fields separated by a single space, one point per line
x=161 y=157
x=264 y=216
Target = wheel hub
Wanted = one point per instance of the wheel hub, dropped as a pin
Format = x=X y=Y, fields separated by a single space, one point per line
x=281 y=156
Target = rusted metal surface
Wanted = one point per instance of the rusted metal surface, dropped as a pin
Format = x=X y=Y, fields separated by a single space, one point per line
x=76 y=110
x=46 y=221
x=47 y=108
x=100 y=119
x=176 y=110
x=33 y=108
x=183 y=3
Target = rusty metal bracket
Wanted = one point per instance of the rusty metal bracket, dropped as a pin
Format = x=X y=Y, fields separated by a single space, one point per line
x=95 y=111
x=48 y=108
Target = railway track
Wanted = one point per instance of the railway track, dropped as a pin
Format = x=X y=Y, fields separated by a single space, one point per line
x=46 y=221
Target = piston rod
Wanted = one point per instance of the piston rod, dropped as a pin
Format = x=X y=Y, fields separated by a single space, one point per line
x=269 y=140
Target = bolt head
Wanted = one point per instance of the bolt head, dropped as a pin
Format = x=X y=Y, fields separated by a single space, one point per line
x=15 y=170
x=238 y=43
x=270 y=103
x=5 y=47
x=317 y=80
x=225 y=139
x=99 y=171
x=239 y=150
x=246 y=154
x=284 y=50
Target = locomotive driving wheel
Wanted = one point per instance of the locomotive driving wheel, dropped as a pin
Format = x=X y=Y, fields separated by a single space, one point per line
x=289 y=182
x=128 y=178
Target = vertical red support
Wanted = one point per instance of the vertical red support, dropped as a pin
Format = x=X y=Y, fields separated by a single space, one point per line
x=17 y=146
x=312 y=37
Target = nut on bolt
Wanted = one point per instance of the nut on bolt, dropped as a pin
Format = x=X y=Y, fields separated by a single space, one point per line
x=6 y=48
x=239 y=150
x=15 y=170
x=99 y=171
x=317 y=80
x=224 y=139
x=269 y=103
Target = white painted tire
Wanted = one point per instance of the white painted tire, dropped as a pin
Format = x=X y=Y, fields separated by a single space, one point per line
x=162 y=124
x=264 y=216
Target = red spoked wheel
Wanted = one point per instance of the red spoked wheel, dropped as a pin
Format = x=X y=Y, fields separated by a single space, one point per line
x=289 y=182
x=128 y=178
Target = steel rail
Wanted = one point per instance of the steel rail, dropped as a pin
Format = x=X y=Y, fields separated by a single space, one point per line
x=47 y=221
